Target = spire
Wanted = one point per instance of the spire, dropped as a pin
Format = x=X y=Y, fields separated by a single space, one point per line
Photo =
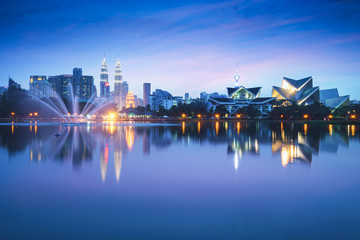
x=237 y=77
x=118 y=74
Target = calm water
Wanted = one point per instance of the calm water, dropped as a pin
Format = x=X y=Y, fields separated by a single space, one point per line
x=210 y=181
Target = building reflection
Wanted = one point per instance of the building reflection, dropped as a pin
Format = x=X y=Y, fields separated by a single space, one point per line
x=290 y=143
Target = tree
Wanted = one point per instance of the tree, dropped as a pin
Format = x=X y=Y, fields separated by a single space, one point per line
x=221 y=110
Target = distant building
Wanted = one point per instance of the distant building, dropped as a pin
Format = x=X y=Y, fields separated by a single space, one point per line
x=83 y=86
x=169 y=103
x=61 y=85
x=39 y=86
x=204 y=97
x=331 y=98
x=117 y=85
x=187 y=98
x=178 y=99
x=138 y=102
x=13 y=84
x=123 y=93
x=157 y=97
x=130 y=100
x=146 y=93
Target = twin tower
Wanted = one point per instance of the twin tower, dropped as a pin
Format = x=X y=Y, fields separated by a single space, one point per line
x=121 y=88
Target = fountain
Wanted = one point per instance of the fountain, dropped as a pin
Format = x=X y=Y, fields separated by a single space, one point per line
x=71 y=114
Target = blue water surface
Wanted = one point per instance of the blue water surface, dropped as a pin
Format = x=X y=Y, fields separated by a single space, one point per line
x=217 y=180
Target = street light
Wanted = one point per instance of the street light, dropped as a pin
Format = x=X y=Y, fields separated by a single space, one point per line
x=199 y=115
x=30 y=114
x=183 y=115
x=306 y=116
x=35 y=113
x=353 y=116
x=330 y=116
x=238 y=115
x=217 y=115
x=12 y=114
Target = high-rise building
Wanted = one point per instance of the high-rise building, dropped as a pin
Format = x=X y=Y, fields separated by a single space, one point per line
x=77 y=75
x=40 y=87
x=124 y=93
x=104 y=81
x=83 y=86
x=117 y=84
x=146 y=93
x=61 y=84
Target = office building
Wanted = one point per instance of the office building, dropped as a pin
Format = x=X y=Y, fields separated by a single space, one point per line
x=146 y=93
x=40 y=87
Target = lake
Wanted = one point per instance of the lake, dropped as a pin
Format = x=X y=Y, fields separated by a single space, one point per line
x=201 y=180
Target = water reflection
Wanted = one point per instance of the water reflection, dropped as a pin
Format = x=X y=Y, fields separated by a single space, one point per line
x=289 y=142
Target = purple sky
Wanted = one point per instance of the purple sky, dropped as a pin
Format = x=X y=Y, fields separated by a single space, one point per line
x=189 y=46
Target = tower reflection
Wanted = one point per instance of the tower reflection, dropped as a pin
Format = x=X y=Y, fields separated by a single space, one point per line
x=289 y=143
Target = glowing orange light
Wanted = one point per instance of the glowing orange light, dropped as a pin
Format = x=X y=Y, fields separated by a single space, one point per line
x=217 y=115
x=331 y=116
x=68 y=114
x=30 y=114
x=238 y=115
x=353 y=116
x=282 y=116
x=199 y=115
x=183 y=115
x=12 y=113
x=306 y=116
x=35 y=113
x=106 y=84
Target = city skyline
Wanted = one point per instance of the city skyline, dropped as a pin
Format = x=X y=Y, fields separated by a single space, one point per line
x=173 y=47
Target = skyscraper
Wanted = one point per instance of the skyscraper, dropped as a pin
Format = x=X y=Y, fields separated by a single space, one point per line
x=104 y=81
x=146 y=93
x=124 y=93
x=77 y=75
x=117 y=84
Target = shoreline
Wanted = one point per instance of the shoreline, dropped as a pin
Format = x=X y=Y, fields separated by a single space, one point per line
x=186 y=120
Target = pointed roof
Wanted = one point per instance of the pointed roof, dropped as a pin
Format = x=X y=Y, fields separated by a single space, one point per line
x=336 y=102
x=231 y=90
x=252 y=91
x=285 y=93
x=255 y=90
x=297 y=83
x=306 y=94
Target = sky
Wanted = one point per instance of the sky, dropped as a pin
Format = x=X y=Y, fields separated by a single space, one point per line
x=185 y=46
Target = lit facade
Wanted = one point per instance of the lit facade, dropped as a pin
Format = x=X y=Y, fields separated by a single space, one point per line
x=300 y=92
x=40 y=87
x=239 y=97
x=130 y=100
x=61 y=85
